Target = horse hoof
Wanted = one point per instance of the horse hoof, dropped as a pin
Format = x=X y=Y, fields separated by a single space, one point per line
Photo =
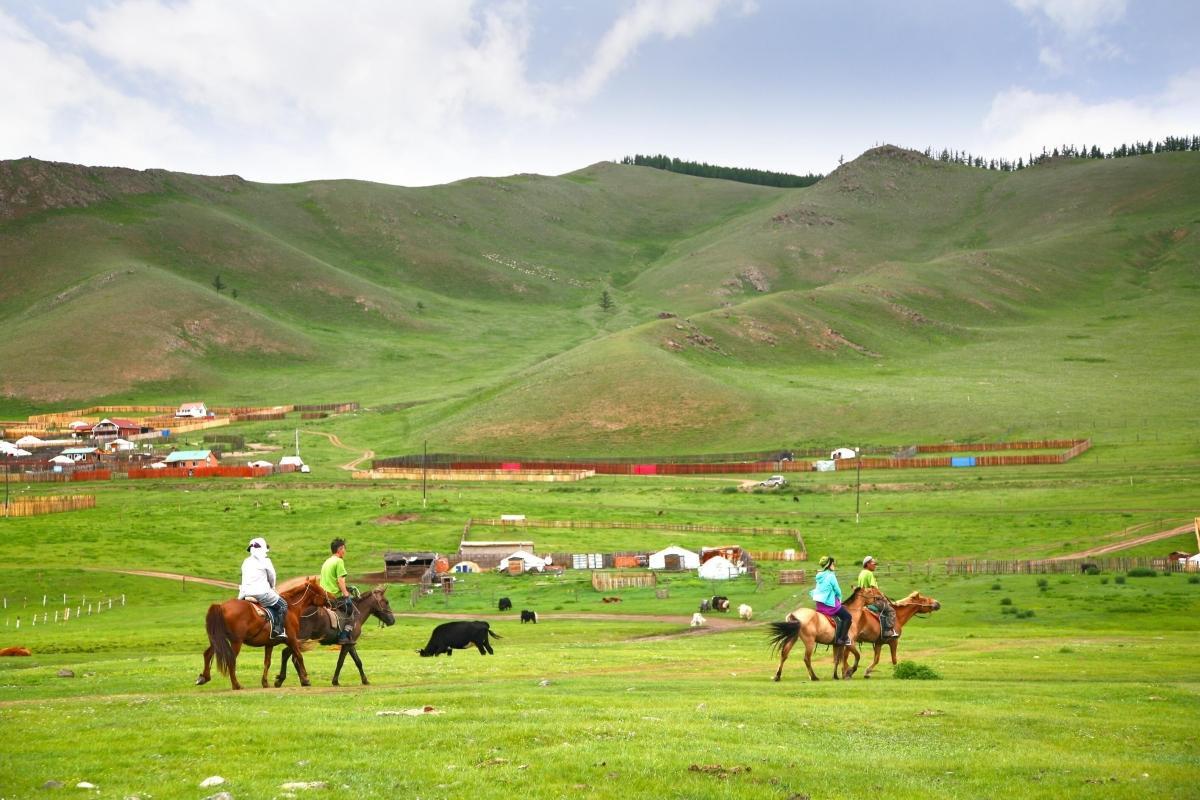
x=335 y=683
x=366 y=682
x=306 y=683
x=200 y=681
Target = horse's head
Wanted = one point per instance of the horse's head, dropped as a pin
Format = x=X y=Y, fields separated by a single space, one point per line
x=315 y=592
x=379 y=607
x=923 y=604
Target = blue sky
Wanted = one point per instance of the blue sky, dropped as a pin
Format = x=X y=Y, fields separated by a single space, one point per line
x=418 y=93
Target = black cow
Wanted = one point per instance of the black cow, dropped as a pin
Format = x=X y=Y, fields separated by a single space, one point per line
x=719 y=603
x=451 y=636
x=505 y=604
x=528 y=616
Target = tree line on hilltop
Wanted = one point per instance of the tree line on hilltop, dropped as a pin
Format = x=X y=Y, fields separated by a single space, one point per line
x=762 y=177
x=700 y=169
x=1171 y=144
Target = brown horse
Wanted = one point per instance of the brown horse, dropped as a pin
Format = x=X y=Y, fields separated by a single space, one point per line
x=868 y=630
x=316 y=625
x=236 y=622
x=816 y=628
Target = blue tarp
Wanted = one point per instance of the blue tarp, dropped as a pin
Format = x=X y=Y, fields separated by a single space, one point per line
x=962 y=461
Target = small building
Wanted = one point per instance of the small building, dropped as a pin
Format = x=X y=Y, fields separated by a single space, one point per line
x=80 y=429
x=107 y=429
x=1179 y=555
x=523 y=561
x=407 y=566
x=80 y=455
x=121 y=446
x=674 y=557
x=488 y=554
x=719 y=568
x=29 y=441
x=62 y=461
x=292 y=464
x=843 y=452
x=192 y=411
x=261 y=463
x=192 y=459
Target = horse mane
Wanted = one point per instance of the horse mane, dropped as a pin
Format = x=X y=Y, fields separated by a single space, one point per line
x=853 y=595
x=907 y=599
x=293 y=588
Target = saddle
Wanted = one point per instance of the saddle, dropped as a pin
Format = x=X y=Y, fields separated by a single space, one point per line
x=256 y=604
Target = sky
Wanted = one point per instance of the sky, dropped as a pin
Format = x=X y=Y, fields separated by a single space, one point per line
x=419 y=93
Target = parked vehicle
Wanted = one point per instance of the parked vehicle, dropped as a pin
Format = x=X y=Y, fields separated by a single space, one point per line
x=774 y=482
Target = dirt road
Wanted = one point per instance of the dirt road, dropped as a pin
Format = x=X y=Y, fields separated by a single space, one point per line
x=1125 y=544
x=336 y=442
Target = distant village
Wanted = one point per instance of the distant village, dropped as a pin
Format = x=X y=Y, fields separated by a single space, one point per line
x=144 y=441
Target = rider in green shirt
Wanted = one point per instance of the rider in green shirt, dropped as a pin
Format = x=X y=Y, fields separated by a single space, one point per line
x=887 y=614
x=333 y=581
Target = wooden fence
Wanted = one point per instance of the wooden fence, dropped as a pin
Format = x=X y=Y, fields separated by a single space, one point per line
x=610 y=581
x=547 y=475
x=1061 y=566
x=792 y=576
x=53 y=504
x=202 y=472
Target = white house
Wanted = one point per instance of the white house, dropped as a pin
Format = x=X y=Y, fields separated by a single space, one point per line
x=843 y=452
x=677 y=556
x=260 y=463
x=192 y=411
x=292 y=464
x=719 y=568
x=121 y=446
x=531 y=562
x=62 y=460
x=28 y=441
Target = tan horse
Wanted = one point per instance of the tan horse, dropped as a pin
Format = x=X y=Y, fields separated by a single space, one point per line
x=868 y=630
x=816 y=628
x=236 y=622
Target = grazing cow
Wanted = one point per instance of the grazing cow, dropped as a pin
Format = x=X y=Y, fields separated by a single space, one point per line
x=505 y=604
x=720 y=603
x=698 y=620
x=528 y=616
x=745 y=611
x=706 y=604
x=451 y=636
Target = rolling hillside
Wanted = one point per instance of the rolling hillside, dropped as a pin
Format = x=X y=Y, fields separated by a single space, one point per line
x=898 y=297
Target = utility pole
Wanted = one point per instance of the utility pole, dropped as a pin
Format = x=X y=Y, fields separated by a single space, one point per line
x=424 y=470
x=857 y=480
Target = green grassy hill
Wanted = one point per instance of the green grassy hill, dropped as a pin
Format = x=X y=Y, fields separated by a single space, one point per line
x=899 y=298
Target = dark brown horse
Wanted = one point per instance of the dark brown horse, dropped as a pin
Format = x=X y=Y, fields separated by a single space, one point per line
x=816 y=628
x=868 y=629
x=316 y=625
x=236 y=622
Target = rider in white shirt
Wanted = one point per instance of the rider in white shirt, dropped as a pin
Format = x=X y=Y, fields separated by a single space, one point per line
x=258 y=580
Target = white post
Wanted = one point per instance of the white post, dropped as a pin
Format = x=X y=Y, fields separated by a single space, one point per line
x=64 y=598
x=89 y=609
x=56 y=616
x=43 y=601
x=110 y=603
x=67 y=614
x=18 y=623
x=122 y=598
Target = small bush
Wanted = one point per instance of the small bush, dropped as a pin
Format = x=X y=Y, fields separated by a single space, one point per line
x=912 y=671
x=1119 y=579
x=729 y=490
x=1091 y=569
x=1142 y=572
x=1025 y=614
x=1008 y=610
x=1043 y=583
x=1194 y=579
x=1103 y=581
x=1065 y=650
x=1006 y=601
x=996 y=587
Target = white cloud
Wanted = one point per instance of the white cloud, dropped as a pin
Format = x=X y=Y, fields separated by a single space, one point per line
x=1022 y=121
x=1049 y=58
x=283 y=90
x=1074 y=17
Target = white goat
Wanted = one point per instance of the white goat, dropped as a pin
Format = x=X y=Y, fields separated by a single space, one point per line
x=698 y=620
x=745 y=611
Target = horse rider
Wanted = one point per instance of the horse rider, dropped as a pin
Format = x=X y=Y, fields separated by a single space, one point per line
x=828 y=596
x=258 y=581
x=882 y=606
x=333 y=581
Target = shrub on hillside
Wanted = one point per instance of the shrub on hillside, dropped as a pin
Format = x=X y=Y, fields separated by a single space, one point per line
x=1119 y=579
x=1091 y=569
x=1194 y=579
x=912 y=671
x=996 y=587
x=1006 y=601
x=1142 y=572
x=1103 y=581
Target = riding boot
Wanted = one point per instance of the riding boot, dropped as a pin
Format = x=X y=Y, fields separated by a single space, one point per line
x=839 y=634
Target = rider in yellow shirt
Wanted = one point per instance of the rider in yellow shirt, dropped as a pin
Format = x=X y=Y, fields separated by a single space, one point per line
x=887 y=614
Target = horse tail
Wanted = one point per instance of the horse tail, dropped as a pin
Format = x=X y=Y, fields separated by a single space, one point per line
x=782 y=633
x=218 y=637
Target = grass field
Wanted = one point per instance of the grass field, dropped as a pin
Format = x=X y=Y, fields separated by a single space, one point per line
x=1058 y=685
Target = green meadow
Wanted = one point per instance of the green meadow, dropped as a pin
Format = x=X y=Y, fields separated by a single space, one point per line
x=1061 y=685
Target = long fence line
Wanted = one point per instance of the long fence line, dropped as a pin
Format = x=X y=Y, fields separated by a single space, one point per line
x=50 y=504
x=679 y=466
x=163 y=417
x=799 y=553
x=1055 y=567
